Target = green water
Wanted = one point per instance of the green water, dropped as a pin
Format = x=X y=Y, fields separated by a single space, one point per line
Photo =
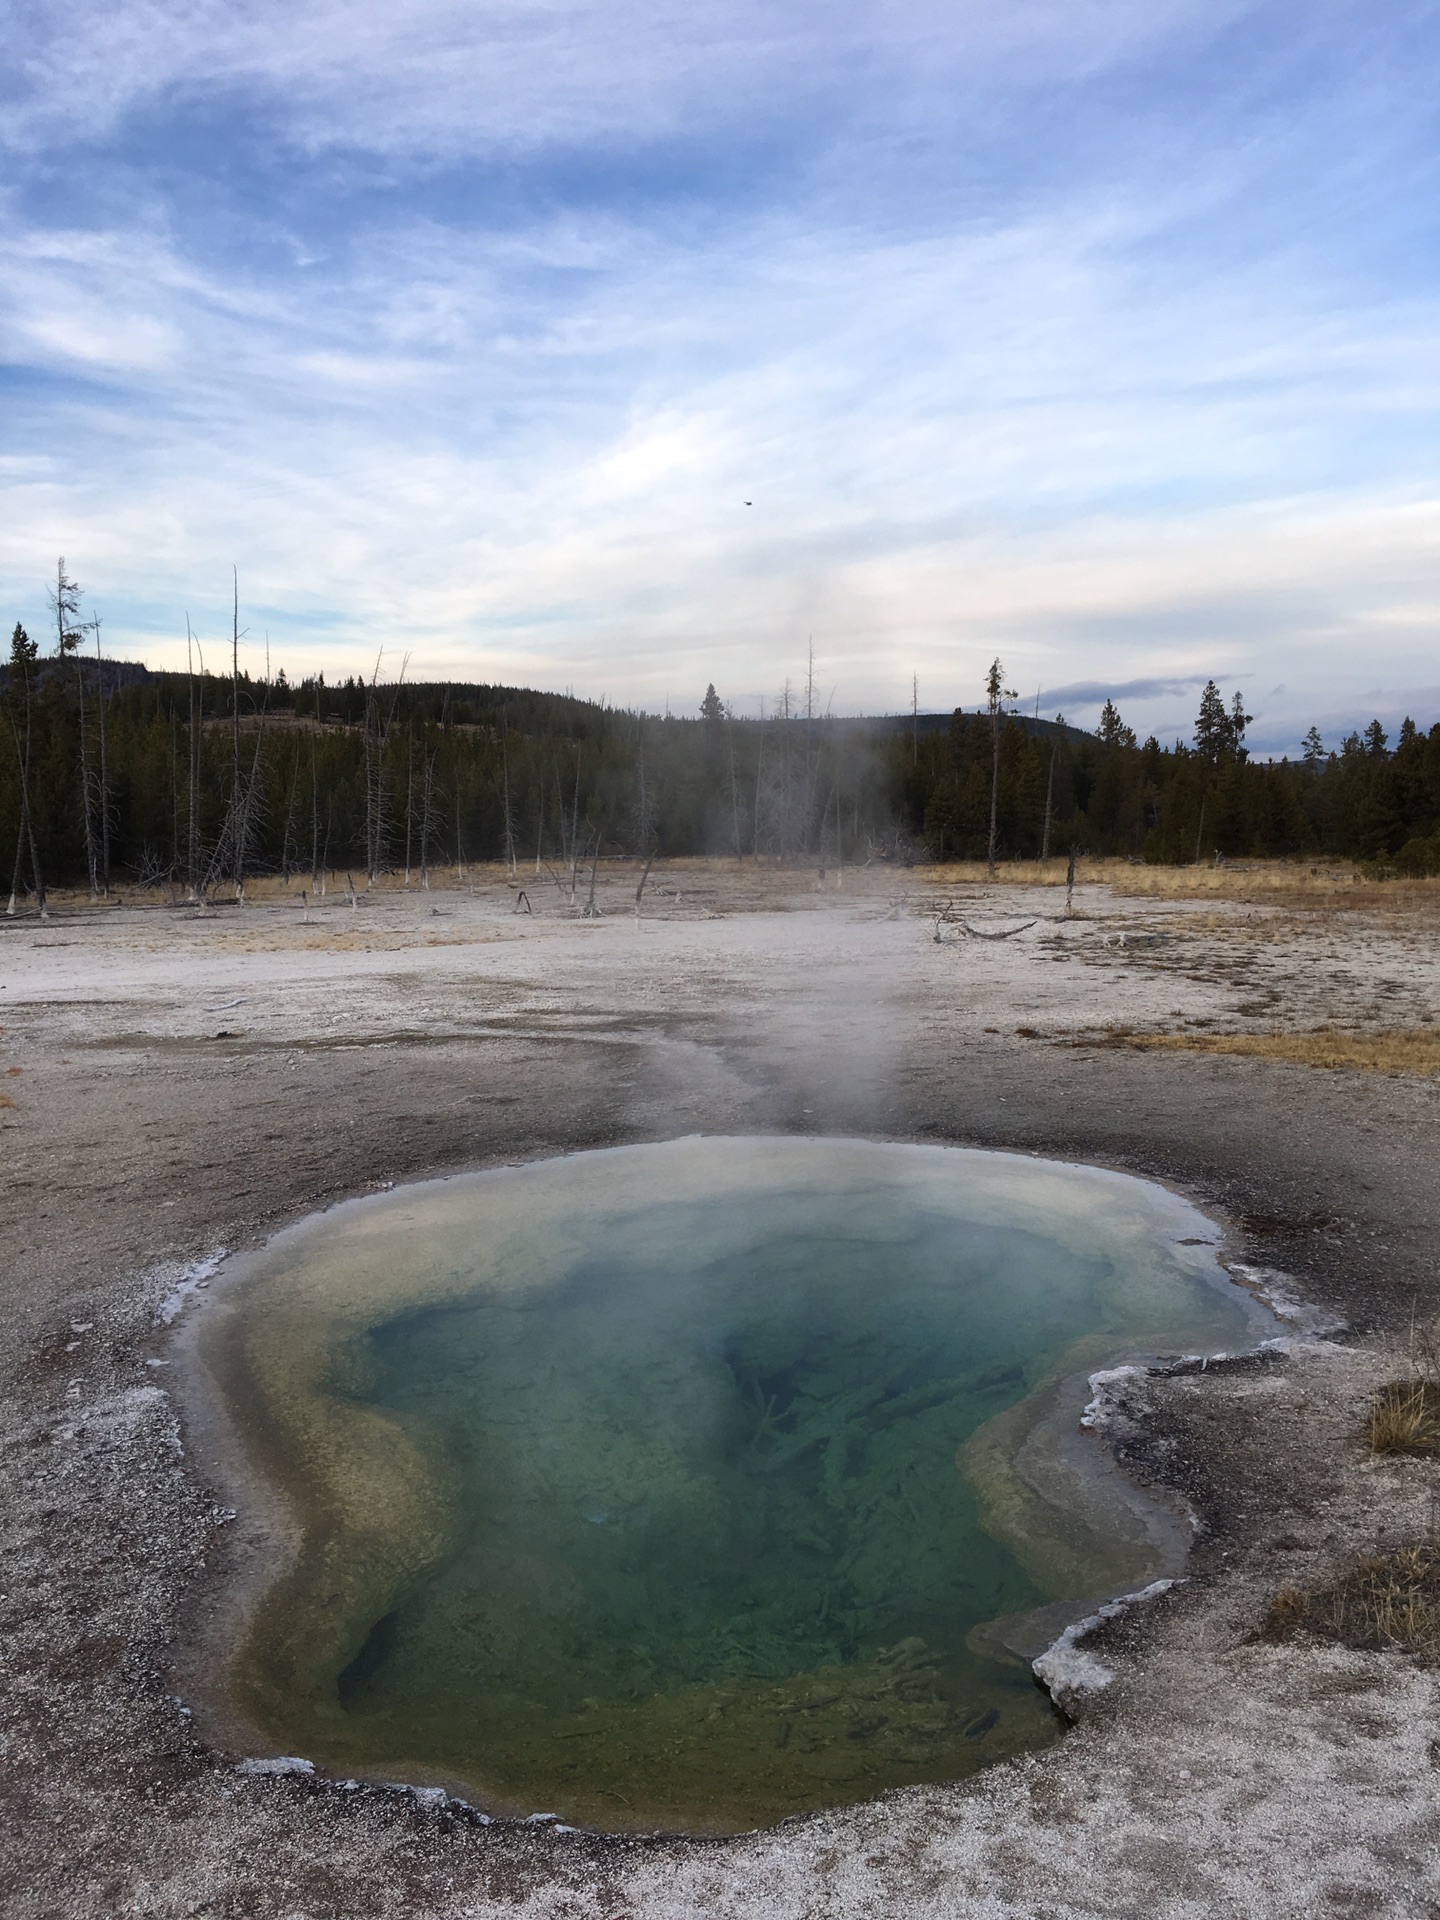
x=701 y=1547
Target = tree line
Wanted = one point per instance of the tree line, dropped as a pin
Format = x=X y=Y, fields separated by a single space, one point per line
x=201 y=780
x=994 y=783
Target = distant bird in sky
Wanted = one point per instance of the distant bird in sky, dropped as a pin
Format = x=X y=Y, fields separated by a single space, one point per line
x=749 y=503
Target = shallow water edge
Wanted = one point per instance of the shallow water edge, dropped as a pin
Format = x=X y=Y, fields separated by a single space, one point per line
x=370 y=1515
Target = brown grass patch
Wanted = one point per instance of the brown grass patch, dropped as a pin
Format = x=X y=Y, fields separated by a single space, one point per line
x=1408 y=1050
x=5 y=1100
x=1405 y=1418
x=1331 y=883
x=1385 y=1600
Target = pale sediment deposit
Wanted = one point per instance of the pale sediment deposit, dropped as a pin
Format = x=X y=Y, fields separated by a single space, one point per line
x=178 y=1084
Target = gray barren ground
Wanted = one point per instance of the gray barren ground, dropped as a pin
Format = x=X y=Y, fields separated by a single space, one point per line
x=176 y=1084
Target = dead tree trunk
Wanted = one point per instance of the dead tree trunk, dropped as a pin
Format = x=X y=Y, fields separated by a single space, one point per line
x=290 y=819
x=65 y=602
x=409 y=795
x=377 y=732
x=237 y=797
x=315 y=796
x=575 y=834
x=994 y=689
x=509 y=814
x=192 y=843
x=104 y=765
x=734 y=787
x=429 y=820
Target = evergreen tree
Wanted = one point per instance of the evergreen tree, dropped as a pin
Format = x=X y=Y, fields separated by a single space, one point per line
x=1239 y=721
x=1112 y=730
x=1212 y=727
x=23 y=655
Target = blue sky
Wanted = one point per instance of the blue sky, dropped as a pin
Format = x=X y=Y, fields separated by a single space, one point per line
x=1099 y=336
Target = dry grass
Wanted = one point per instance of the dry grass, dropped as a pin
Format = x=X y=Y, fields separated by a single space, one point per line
x=1279 y=883
x=1405 y=1418
x=1404 y=1050
x=1385 y=1600
x=1335 y=883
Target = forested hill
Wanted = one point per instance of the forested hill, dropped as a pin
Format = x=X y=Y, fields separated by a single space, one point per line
x=109 y=771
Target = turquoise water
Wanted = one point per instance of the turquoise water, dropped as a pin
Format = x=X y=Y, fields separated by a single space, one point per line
x=705 y=1450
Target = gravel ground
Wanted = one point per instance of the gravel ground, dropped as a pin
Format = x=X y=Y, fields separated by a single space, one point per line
x=177 y=1084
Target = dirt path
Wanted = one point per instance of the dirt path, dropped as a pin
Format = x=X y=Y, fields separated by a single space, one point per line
x=186 y=1084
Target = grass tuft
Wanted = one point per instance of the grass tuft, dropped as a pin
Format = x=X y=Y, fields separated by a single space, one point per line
x=1288 y=1611
x=1405 y=1418
x=1384 y=1601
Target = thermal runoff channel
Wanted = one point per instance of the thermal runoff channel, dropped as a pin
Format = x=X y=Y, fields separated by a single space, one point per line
x=698 y=1484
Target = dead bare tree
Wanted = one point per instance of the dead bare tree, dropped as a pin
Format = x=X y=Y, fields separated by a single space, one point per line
x=290 y=817
x=560 y=809
x=575 y=831
x=759 y=770
x=644 y=876
x=429 y=816
x=104 y=793
x=734 y=783
x=1050 y=791
x=64 y=598
x=509 y=814
x=244 y=820
x=237 y=794
x=409 y=792
x=197 y=714
x=315 y=791
x=376 y=739
x=647 y=840
x=996 y=694
x=177 y=866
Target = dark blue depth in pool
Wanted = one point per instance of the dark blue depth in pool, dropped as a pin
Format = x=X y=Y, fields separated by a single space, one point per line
x=698 y=1515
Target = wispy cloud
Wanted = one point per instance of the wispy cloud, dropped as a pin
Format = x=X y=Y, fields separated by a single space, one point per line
x=1069 y=334
x=1094 y=693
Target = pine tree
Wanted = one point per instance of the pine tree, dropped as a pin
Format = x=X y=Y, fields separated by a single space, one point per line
x=23 y=654
x=1212 y=727
x=1112 y=730
x=1239 y=721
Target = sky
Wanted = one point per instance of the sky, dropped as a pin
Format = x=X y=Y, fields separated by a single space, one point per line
x=635 y=347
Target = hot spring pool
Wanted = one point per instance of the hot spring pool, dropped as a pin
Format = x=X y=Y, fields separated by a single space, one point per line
x=677 y=1485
